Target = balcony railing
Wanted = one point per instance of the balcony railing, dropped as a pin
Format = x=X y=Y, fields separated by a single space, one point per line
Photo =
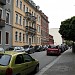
x=30 y=30
x=33 y=19
x=28 y=15
x=2 y=23
x=3 y=2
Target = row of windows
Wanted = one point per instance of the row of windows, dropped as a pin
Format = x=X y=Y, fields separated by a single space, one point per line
x=26 y=23
x=19 y=37
x=19 y=4
x=22 y=21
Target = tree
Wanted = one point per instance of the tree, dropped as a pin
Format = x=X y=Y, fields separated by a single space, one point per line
x=67 y=29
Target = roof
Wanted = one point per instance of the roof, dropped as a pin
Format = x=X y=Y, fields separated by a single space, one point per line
x=12 y=52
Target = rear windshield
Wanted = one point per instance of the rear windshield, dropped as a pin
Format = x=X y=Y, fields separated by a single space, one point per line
x=53 y=47
x=4 y=59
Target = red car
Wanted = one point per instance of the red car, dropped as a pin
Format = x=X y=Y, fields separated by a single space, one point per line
x=53 y=50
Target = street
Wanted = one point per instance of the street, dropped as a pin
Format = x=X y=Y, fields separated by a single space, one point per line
x=43 y=58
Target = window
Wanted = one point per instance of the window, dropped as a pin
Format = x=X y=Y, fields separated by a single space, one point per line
x=1 y=13
x=32 y=39
x=26 y=23
x=17 y=3
x=7 y=17
x=4 y=59
x=27 y=38
x=20 y=36
x=7 y=38
x=27 y=58
x=24 y=8
x=9 y=1
x=20 y=4
x=16 y=18
x=20 y=20
x=16 y=36
x=19 y=59
x=23 y=37
x=38 y=28
x=0 y=37
x=39 y=19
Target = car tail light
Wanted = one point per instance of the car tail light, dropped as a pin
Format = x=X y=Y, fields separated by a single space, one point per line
x=9 y=71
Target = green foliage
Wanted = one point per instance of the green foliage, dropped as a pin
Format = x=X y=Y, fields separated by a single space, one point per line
x=67 y=29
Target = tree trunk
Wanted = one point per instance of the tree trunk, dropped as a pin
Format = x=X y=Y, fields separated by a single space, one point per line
x=73 y=47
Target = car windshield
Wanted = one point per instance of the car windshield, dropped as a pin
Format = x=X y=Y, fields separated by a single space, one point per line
x=4 y=59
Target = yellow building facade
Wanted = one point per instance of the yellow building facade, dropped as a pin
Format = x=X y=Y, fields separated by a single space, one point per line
x=26 y=27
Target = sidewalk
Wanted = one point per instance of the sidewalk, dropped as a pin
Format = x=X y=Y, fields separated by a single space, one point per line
x=64 y=65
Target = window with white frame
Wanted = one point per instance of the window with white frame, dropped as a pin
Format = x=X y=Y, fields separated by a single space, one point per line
x=16 y=36
x=7 y=38
x=9 y=1
x=16 y=18
x=20 y=4
x=7 y=17
x=0 y=37
x=17 y=3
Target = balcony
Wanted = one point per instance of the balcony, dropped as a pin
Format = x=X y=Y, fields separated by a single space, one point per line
x=33 y=19
x=3 y=2
x=2 y=23
x=30 y=30
x=28 y=15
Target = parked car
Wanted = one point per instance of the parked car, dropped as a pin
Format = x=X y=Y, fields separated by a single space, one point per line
x=53 y=50
x=16 y=48
x=1 y=49
x=38 y=48
x=62 y=48
x=29 y=49
x=17 y=63
x=44 y=47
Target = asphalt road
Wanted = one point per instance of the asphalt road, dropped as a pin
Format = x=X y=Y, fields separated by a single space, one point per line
x=43 y=58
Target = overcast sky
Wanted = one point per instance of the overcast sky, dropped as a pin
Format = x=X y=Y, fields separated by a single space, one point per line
x=57 y=10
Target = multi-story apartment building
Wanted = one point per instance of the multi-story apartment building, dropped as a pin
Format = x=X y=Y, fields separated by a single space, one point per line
x=20 y=23
x=44 y=29
x=5 y=23
x=26 y=23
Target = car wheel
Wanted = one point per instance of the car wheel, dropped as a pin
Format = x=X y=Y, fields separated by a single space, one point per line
x=36 y=69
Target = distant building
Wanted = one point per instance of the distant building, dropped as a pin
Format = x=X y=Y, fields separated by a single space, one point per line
x=51 y=40
x=44 y=29
x=56 y=36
